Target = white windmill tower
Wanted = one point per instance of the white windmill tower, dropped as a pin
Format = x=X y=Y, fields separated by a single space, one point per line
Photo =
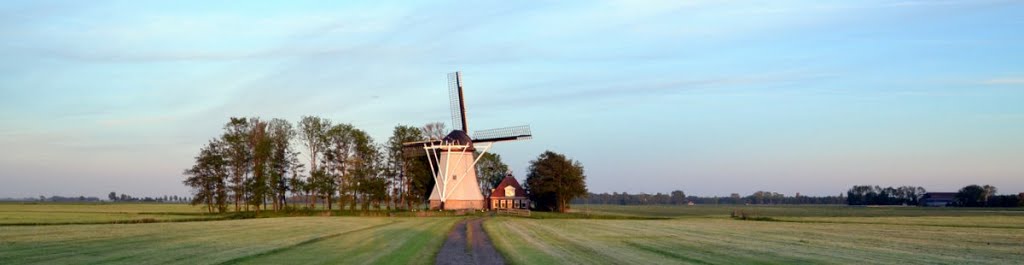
x=453 y=159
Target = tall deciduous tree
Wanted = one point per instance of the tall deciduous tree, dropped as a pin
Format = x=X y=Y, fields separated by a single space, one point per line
x=261 y=149
x=554 y=180
x=490 y=170
x=400 y=165
x=283 y=159
x=339 y=150
x=989 y=192
x=313 y=134
x=371 y=186
x=207 y=177
x=237 y=153
x=678 y=197
x=971 y=196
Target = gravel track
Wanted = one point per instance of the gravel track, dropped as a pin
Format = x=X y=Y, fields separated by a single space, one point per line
x=468 y=244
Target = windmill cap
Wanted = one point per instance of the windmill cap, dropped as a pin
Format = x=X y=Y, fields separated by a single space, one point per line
x=458 y=137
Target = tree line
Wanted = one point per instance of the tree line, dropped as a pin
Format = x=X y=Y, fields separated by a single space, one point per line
x=679 y=197
x=985 y=196
x=114 y=197
x=255 y=165
x=968 y=196
x=875 y=195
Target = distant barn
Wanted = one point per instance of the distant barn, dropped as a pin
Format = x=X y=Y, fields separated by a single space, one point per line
x=938 y=199
x=509 y=195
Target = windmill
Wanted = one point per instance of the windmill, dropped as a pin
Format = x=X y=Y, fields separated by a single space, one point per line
x=453 y=160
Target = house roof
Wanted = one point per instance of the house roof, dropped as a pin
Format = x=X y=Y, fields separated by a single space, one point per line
x=499 y=191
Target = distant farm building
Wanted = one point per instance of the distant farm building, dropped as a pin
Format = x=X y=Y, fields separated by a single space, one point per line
x=509 y=195
x=938 y=199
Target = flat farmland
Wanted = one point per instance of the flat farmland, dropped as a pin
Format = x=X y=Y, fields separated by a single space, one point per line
x=592 y=234
x=726 y=241
x=92 y=213
x=298 y=240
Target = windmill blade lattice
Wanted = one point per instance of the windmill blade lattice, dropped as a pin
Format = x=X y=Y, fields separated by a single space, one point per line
x=458 y=106
x=521 y=132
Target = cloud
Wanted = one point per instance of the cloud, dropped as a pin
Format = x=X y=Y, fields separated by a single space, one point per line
x=1004 y=81
x=647 y=87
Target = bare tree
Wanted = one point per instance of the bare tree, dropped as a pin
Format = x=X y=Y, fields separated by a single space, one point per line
x=434 y=131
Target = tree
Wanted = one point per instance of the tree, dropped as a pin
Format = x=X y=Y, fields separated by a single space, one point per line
x=206 y=177
x=420 y=181
x=989 y=192
x=339 y=150
x=112 y=196
x=259 y=145
x=490 y=171
x=313 y=134
x=321 y=183
x=434 y=131
x=399 y=163
x=678 y=197
x=237 y=153
x=971 y=196
x=553 y=180
x=282 y=159
x=296 y=185
x=365 y=166
x=735 y=198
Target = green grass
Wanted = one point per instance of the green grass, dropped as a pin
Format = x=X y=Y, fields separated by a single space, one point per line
x=591 y=234
x=98 y=213
x=301 y=240
x=721 y=240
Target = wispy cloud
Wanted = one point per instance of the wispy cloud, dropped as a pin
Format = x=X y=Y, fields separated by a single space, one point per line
x=1004 y=81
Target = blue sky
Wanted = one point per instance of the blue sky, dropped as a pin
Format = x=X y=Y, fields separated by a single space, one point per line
x=651 y=96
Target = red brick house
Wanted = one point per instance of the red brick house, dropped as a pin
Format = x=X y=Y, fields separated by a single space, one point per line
x=508 y=195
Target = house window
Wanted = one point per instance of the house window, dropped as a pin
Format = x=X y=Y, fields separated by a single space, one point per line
x=510 y=191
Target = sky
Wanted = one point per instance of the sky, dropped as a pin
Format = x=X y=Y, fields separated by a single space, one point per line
x=709 y=97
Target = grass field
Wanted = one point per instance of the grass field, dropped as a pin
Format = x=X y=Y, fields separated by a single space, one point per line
x=593 y=234
x=95 y=213
x=889 y=240
x=705 y=234
x=298 y=240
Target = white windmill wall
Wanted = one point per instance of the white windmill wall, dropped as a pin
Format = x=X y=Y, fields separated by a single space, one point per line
x=463 y=190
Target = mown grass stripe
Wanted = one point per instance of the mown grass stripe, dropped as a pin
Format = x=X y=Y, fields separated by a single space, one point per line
x=238 y=260
x=663 y=252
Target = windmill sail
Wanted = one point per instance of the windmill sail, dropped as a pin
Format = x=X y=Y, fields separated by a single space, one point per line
x=513 y=133
x=458 y=105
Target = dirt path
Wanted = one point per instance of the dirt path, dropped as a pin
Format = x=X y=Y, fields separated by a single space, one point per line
x=468 y=244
